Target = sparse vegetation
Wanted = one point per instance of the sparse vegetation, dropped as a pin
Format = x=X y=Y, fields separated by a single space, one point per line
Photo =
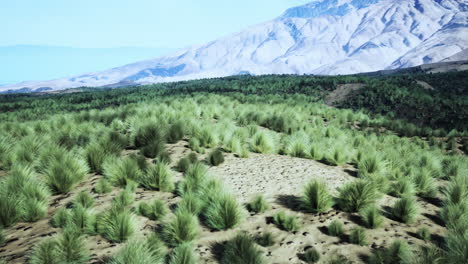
x=398 y=252
x=223 y=212
x=424 y=233
x=286 y=222
x=335 y=228
x=158 y=177
x=356 y=195
x=406 y=210
x=183 y=254
x=372 y=217
x=316 y=197
x=311 y=256
x=258 y=204
x=183 y=228
x=155 y=210
x=266 y=239
x=358 y=236
x=115 y=225
x=242 y=250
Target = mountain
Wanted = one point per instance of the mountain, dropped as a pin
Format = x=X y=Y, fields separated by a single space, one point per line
x=322 y=37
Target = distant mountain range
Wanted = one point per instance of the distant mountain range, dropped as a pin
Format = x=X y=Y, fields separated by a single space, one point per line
x=325 y=37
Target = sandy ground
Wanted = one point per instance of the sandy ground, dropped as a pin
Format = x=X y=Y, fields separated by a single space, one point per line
x=280 y=178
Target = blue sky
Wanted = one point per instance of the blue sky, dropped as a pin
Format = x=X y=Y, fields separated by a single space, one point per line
x=49 y=39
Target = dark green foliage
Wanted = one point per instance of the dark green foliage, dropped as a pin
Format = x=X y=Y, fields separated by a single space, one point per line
x=2 y=237
x=123 y=200
x=335 y=228
x=185 y=162
x=424 y=233
x=183 y=228
x=183 y=254
x=71 y=247
x=149 y=134
x=242 y=250
x=356 y=195
x=372 y=217
x=406 y=209
x=429 y=255
x=122 y=172
x=155 y=210
x=46 y=252
x=156 y=150
x=223 y=212
x=258 y=204
x=84 y=199
x=338 y=259
x=311 y=256
x=399 y=252
x=266 y=239
x=316 y=197
x=286 y=222
x=176 y=132
x=65 y=173
x=216 y=157
x=402 y=187
x=140 y=160
x=358 y=236
x=61 y=218
x=158 y=177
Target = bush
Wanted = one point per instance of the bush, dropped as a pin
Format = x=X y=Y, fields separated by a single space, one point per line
x=124 y=199
x=403 y=187
x=95 y=156
x=46 y=252
x=335 y=228
x=122 y=172
x=223 y=213
x=405 y=209
x=159 y=177
x=424 y=233
x=358 y=236
x=176 y=132
x=183 y=254
x=371 y=217
x=266 y=239
x=286 y=222
x=148 y=134
x=425 y=184
x=71 y=247
x=63 y=174
x=61 y=218
x=116 y=226
x=337 y=157
x=216 y=157
x=154 y=211
x=34 y=210
x=357 y=195
x=316 y=197
x=84 y=199
x=183 y=228
x=151 y=251
x=191 y=203
x=156 y=150
x=242 y=250
x=311 y=256
x=103 y=186
x=185 y=162
x=370 y=165
x=262 y=143
x=455 y=216
x=398 y=252
x=258 y=204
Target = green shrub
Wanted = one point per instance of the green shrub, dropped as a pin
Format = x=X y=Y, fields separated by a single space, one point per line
x=357 y=195
x=337 y=157
x=370 y=165
x=185 y=162
x=176 y=132
x=311 y=256
x=156 y=150
x=262 y=143
x=46 y=252
x=61 y=218
x=266 y=239
x=183 y=254
x=148 y=134
x=406 y=209
x=286 y=222
x=242 y=250
x=158 y=177
x=456 y=244
x=258 y=204
x=95 y=156
x=223 y=212
x=124 y=199
x=191 y=203
x=316 y=197
x=358 y=236
x=84 y=199
x=103 y=186
x=425 y=184
x=34 y=210
x=403 y=187
x=151 y=251
x=122 y=172
x=63 y=174
x=335 y=228
x=371 y=217
x=398 y=252
x=82 y=219
x=216 y=157
x=424 y=233
x=183 y=228
x=154 y=211
x=116 y=226
x=71 y=247
x=455 y=215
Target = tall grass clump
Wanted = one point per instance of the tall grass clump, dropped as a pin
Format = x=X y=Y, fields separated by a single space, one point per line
x=405 y=209
x=266 y=239
x=103 y=186
x=46 y=252
x=195 y=178
x=317 y=198
x=155 y=210
x=337 y=156
x=424 y=233
x=158 y=177
x=357 y=195
x=122 y=171
x=150 y=251
x=311 y=256
x=286 y=222
x=335 y=228
x=61 y=218
x=242 y=250
x=183 y=254
x=371 y=217
x=185 y=162
x=183 y=228
x=83 y=199
x=456 y=243
x=175 y=132
x=456 y=191
x=455 y=215
x=123 y=200
x=71 y=247
x=358 y=236
x=116 y=226
x=148 y=134
x=224 y=212
x=192 y=203
x=95 y=155
x=216 y=157
x=262 y=143
x=258 y=204
x=370 y=165
x=403 y=187
x=64 y=173
x=398 y=252
x=156 y=150
x=425 y=184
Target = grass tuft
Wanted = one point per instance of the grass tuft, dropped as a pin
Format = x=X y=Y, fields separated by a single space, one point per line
x=398 y=252
x=154 y=211
x=223 y=212
x=159 y=177
x=258 y=204
x=183 y=254
x=406 y=209
x=317 y=198
x=266 y=239
x=286 y=222
x=424 y=233
x=358 y=236
x=103 y=186
x=183 y=228
x=371 y=217
x=116 y=226
x=63 y=174
x=84 y=199
x=335 y=228
x=216 y=157
x=242 y=250
x=311 y=256
x=357 y=195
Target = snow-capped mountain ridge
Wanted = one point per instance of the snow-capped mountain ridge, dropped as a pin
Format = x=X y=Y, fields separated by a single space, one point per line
x=321 y=37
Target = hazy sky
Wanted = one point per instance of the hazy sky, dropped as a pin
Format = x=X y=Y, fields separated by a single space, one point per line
x=136 y=23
